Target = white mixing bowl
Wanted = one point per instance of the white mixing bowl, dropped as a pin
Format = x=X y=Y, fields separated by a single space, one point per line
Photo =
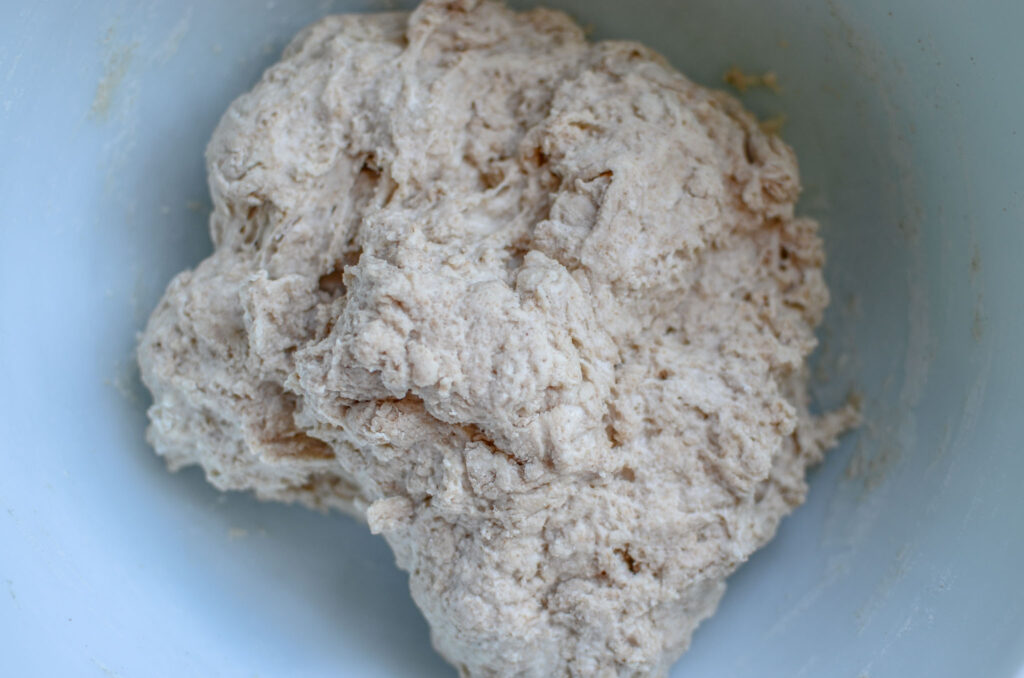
x=908 y=559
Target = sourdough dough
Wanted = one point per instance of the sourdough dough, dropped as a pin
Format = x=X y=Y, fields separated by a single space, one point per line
x=536 y=309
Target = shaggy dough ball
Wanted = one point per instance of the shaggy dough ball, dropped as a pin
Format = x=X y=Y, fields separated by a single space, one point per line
x=537 y=309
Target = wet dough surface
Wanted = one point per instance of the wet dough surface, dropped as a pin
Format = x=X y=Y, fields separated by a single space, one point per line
x=536 y=309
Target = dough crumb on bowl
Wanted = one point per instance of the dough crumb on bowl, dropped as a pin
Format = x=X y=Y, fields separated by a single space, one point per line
x=534 y=308
x=741 y=81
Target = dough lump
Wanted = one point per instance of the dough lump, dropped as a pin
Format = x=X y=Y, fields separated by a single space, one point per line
x=536 y=309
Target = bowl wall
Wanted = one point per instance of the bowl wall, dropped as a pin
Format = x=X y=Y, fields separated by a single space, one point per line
x=907 y=558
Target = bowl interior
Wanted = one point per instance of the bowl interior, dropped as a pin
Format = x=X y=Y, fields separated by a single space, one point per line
x=906 y=124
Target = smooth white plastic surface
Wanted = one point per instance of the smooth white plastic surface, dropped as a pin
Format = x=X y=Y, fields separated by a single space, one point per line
x=907 y=558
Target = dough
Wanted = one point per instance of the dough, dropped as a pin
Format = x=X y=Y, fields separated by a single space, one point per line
x=536 y=309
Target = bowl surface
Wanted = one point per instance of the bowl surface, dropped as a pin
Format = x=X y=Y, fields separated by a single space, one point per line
x=907 y=558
